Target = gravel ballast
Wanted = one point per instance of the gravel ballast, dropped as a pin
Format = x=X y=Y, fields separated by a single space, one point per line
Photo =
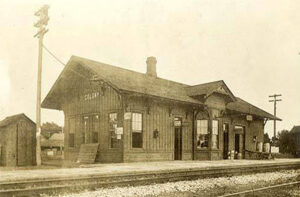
x=200 y=186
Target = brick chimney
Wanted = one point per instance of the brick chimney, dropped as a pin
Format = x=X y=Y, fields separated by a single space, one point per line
x=151 y=66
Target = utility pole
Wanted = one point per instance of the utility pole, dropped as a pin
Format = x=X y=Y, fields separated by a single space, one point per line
x=275 y=100
x=42 y=13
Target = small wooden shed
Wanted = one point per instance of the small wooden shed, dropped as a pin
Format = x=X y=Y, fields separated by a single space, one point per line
x=17 y=141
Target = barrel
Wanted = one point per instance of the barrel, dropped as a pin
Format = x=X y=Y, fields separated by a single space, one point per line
x=259 y=147
x=232 y=154
x=266 y=147
x=239 y=156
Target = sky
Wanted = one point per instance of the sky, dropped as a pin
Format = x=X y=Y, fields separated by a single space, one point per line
x=253 y=45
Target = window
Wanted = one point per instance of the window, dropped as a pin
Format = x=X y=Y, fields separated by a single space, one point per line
x=85 y=129
x=112 y=130
x=96 y=127
x=202 y=134
x=137 y=133
x=72 y=132
x=215 y=134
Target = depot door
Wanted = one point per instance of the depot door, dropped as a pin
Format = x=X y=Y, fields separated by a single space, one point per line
x=226 y=139
x=178 y=144
x=91 y=129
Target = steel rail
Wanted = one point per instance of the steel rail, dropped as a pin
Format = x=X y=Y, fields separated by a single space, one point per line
x=261 y=189
x=142 y=178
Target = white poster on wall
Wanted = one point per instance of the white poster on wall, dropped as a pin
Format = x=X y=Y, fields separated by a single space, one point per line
x=119 y=131
x=127 y=116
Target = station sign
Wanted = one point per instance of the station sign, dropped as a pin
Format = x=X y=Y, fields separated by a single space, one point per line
x=177 y=122
x=249 y=117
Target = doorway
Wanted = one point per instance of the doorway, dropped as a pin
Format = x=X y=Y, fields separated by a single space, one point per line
x=178 y=139
x=91 y=127
x=21 y=149
x=237 y=143
x=226 y=140
x=239 y=140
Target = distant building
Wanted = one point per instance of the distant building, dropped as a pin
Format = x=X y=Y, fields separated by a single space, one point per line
x=17 y=141
x=141 y=117
x=53 y=145
x=296 y=130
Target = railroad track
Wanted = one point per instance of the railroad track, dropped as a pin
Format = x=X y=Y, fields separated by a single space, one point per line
x=79 y=183
x=254 y=191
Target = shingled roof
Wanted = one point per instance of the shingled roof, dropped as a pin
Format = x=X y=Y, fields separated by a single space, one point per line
x=130 y=81
x=14 y=118
x=246 y=108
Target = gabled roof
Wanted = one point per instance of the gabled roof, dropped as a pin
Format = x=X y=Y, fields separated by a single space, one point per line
x=207 y=89
x=296 y=129
x=124 y=80
x=244 y=107
x=13 y=119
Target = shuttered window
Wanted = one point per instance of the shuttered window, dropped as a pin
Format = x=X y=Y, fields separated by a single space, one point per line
x=137 y=132
x=72 y=132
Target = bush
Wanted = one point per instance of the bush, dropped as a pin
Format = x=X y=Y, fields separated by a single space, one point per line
x=287 y=142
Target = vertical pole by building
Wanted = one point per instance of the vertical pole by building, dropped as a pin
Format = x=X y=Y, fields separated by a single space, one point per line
x=275 y=100
x=43 y=21
x=38 y=102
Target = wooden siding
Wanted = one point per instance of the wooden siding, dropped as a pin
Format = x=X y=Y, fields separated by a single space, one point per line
x=156 y=116
x=92 y=100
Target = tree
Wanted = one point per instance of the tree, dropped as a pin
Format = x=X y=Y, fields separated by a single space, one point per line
x=287 y=142
x=49 y=128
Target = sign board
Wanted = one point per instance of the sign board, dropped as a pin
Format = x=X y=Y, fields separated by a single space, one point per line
x=91 y=96
x=177 y=122
x=127 y=116
x=274 y=149
x=119 y=131
x=119 y=137
x=249 y=117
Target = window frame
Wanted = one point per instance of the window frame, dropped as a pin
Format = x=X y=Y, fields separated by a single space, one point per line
x=218 y=133
x=198 y=133
x=111 y=130
x=132 y=131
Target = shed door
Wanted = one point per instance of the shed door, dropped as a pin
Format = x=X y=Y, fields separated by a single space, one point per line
x=21 y=144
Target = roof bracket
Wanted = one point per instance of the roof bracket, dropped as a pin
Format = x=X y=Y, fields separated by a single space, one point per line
x=265 y=121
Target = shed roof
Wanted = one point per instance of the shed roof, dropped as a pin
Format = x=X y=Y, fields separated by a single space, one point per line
x=126 y=80
x=13 y=119
x=296 y=129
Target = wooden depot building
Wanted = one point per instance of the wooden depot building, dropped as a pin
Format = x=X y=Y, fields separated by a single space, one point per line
x=134 y=116
x=17 y=141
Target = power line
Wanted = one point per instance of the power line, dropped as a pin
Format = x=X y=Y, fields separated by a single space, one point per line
x=57 y=59
x=61 y=62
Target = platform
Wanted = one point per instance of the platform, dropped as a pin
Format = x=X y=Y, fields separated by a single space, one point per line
x=135 y=168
